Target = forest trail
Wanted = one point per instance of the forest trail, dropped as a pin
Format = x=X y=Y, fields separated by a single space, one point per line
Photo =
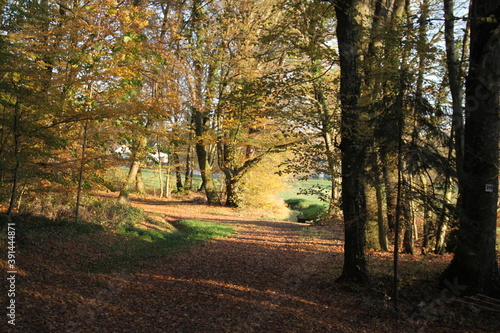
x=265 y=278
x=270 y=276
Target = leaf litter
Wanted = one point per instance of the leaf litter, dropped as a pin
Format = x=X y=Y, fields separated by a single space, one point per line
x=270 y=276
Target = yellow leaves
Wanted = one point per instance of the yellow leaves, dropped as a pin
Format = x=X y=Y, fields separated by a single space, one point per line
x=489 y=19
x=134 y=17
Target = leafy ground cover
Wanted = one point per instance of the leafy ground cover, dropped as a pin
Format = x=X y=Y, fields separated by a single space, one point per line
x=268 y=276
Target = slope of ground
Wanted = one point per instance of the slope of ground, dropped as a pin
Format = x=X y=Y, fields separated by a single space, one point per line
x=270 y=276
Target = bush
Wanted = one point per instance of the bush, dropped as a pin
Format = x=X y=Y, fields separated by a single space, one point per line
x=53 y=206
x=30 y=227
x=260 y=186
x=307 y=211
x=107 y=213
x=113 y=215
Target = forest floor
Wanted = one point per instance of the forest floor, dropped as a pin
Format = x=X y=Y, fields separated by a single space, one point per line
x=270 y=276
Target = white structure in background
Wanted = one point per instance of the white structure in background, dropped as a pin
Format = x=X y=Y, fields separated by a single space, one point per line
x=124 y=152
x=156 y=157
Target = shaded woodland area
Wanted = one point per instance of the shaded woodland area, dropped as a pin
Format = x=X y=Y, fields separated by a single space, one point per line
x=395 y=102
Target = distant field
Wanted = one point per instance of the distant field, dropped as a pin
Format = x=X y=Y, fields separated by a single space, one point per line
x=151 y=179
x=296 y=186
x=152 y=184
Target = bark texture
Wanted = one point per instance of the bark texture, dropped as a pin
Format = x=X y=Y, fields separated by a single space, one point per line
x=474 y=265
x=354 y=143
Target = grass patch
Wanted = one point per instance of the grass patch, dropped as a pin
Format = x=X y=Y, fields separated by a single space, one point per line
x=203 y=231
x=317 y=232
x=118 y=238
x=297 y=190
x=137 y=245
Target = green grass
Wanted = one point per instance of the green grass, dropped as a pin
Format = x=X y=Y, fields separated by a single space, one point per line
x=307 y=197
x=307 y=209
x=138 y=245
x=127 y=243
x=202 y=231
x=296 y=188
x=115 y=176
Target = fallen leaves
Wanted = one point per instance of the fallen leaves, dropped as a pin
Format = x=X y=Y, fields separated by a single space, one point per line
x=268 y=277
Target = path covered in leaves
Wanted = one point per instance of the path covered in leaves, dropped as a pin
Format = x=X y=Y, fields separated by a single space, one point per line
x=268 y=277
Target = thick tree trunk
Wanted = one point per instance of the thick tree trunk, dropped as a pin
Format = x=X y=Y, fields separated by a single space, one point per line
x=475 y=264
x=354 y=143
x=129 y=182
x=232 y=194
x=137 y=157
x=204 y=164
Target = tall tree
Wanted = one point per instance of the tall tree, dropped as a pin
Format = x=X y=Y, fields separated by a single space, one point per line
x=475 y=263
x=204 y=66
x=350 y=15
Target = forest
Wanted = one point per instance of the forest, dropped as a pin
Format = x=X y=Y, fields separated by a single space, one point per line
x=135 y=133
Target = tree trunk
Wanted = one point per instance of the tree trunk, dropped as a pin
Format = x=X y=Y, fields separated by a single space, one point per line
x=427 y=216
x=455 y=76
x=139 y=185
x=390 y=185
x=160 y=169
x=188 y=176
x=177 y=167
x=81 y=172
x=382 y=229
x=167 y=179
x=204 y=164
x=475 y=264
x=409 y=219
x=202 y=101
x=232 y=193
x=137 y=156
x=354 y=143
x=128 y=185
x=17 y=157
x=442 y=228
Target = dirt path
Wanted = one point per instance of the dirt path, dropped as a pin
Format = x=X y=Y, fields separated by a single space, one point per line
x=270 y=276
x=259 y=280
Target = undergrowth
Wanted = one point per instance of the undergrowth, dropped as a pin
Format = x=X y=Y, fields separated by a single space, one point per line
x=121 y=236
x=307 y=211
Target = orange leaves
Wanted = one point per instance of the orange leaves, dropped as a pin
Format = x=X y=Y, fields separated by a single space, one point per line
x=269 y=277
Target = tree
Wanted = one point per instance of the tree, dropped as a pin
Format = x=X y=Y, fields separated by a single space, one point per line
x=201 y=56
x=308 y=95
x=354 y=139
x=474 y=263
